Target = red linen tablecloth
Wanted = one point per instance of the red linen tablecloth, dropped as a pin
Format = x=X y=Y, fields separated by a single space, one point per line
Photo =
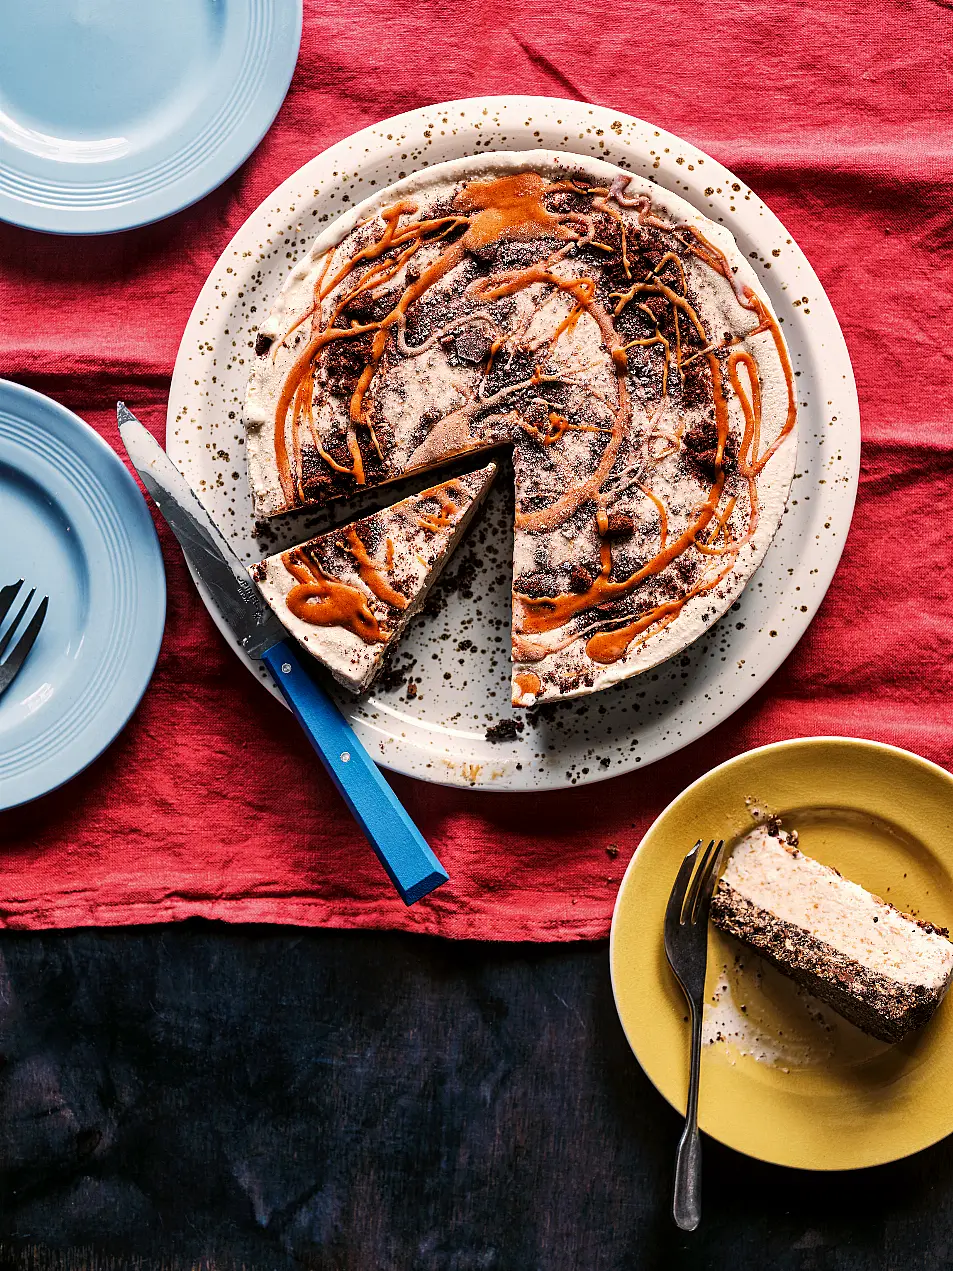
x=210 y=802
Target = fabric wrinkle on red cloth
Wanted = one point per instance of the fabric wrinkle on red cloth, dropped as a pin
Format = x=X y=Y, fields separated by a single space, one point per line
x=211 y=803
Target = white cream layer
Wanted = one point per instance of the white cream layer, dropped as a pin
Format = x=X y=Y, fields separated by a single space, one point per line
x=799 y=890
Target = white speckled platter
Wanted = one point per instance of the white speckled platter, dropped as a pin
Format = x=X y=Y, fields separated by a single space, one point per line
x=451 y=677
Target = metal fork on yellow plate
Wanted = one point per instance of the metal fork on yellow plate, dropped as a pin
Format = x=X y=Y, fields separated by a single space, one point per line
x=686 y=947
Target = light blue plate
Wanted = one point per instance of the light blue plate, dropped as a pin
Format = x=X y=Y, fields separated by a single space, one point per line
x=74 y=525
x=115 y=113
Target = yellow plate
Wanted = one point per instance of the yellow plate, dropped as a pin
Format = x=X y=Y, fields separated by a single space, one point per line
x=884 y=818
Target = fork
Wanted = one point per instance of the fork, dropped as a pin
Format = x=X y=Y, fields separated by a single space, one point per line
x=686 y=947
x=10 y=667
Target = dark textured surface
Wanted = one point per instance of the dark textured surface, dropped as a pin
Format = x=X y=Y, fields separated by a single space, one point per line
x=266 y=1098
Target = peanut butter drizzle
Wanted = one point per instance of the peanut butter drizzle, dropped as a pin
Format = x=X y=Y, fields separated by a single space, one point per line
x=325 y=602
x=715 y=259
x=546 y=613
x=528 y=683
x=289 y=391
x=568 y=324
x=662 y=515
x=370 y=574
x=507 y=207
x=610 y=646
x=434 y=522
x=559 y=425
x=587 y=288
x=391 y=218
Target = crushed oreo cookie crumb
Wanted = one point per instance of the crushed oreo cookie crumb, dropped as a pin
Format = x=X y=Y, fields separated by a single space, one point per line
x=505 y=730
x=619 y=525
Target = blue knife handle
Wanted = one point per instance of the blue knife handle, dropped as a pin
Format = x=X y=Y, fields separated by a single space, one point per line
x=401 y=848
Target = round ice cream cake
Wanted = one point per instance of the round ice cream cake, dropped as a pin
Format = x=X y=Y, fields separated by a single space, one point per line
x=598 y=325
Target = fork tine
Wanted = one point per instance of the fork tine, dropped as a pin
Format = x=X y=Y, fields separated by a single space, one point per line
x=7 y=596
x=688 y=911
x=23 y=646
x=705 y=877
x=676 y=897
x=5 y=640
x=707 y=889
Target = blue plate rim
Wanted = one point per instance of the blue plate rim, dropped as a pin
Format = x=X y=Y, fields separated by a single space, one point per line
x=177 y=194
x=150 y=618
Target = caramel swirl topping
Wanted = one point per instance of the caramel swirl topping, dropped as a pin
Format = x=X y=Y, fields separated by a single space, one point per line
x=624 y=276
x=325 y=602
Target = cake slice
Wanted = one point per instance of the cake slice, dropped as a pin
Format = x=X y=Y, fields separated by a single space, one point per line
x=881 y=969
x=347 y=595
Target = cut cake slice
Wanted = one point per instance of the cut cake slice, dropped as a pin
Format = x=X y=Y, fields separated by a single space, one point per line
x=347 y=595
x=881 y=969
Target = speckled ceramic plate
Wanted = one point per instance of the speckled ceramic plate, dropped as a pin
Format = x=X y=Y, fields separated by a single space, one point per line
x=456 y=655
x=822 y=1096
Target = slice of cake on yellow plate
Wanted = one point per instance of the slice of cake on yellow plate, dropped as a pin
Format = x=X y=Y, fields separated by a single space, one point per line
x=347 y=595
x=883 y=970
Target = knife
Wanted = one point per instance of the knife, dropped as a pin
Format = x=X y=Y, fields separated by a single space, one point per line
x=410 y=864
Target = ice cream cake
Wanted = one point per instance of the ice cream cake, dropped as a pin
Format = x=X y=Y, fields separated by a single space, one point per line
x=347 y=595
x=617 y=339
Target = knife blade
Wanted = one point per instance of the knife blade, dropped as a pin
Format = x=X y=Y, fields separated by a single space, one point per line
x=233 y=592
x=407 y=858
